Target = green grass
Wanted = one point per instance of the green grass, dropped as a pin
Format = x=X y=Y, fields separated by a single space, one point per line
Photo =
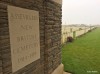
x=83 y=55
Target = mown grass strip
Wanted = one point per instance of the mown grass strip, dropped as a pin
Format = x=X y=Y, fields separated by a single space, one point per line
x=83 y=55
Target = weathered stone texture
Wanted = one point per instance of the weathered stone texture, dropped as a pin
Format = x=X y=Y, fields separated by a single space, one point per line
x=34 y=68
x=50 y=36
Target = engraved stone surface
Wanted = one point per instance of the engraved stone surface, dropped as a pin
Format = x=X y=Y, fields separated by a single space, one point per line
x=24 y=36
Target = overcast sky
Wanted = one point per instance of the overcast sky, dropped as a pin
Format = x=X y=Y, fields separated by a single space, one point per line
x=81 y=12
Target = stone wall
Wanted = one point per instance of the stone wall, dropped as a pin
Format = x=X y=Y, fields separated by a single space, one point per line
x=50 y=35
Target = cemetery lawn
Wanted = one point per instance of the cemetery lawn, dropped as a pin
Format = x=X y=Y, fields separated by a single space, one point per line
x=83 y=55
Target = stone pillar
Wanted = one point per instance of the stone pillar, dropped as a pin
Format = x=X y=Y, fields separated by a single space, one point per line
x=50 y=36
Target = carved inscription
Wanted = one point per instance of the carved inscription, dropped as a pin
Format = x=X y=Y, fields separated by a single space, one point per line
x=24 y=36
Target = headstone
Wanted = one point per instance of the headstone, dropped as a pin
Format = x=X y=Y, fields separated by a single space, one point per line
x=24 y=36
x=74 y=34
